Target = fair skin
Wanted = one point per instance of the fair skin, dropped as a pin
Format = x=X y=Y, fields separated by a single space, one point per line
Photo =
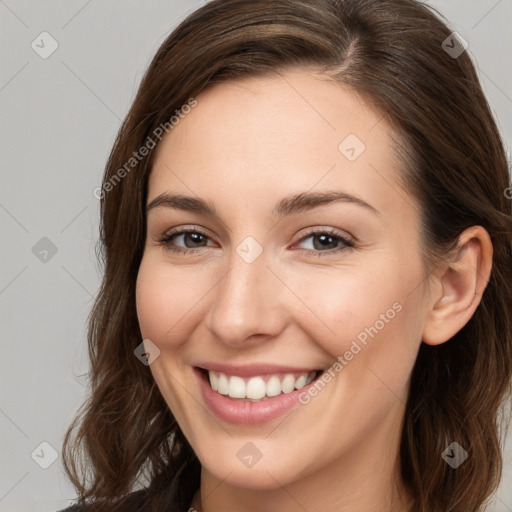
x=243 y=148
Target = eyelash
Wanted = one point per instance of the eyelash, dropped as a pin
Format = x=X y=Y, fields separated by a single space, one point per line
x=345 y=243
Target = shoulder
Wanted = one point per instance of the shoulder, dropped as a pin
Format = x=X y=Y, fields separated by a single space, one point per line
x=132 y=502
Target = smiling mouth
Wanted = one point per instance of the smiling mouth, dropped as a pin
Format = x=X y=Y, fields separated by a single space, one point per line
x=258 y=388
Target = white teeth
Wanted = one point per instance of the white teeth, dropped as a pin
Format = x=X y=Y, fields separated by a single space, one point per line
x=288 y=384
x=301 y=381
x=273 y=386
x=236 y=387
x=214 y=381
x=256 y=388
x=223 y=385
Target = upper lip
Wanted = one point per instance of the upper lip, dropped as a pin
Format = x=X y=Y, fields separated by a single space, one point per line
x=252 y=370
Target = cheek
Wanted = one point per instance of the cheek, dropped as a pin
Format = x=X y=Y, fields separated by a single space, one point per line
x=344 y=304
x=165 y=304
x=370 y=316
x=332 y=306
x=165 y=299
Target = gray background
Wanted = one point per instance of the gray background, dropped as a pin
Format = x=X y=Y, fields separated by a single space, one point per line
x=59 y=117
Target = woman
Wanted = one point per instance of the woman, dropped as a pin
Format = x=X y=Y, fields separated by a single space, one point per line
x=307 y=294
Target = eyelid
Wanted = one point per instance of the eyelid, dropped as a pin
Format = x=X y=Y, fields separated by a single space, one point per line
x=318 y=229
x=191 y=228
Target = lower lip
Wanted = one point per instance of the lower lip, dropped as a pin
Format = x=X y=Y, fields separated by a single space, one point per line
x=247 y=413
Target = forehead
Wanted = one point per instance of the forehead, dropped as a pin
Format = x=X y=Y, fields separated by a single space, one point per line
x=269 y=136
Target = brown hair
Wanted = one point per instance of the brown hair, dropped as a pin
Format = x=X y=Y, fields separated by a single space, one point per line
x=390 y=52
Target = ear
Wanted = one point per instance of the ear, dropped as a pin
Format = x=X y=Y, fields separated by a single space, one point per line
x=459 y=286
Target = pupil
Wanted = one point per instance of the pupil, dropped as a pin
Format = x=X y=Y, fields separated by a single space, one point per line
x=196 y=237
x=324 y=238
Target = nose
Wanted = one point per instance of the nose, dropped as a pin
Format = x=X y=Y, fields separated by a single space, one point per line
x=247 y=304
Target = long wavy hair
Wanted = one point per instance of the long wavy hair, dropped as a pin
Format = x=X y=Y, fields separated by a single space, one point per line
x=392 y=53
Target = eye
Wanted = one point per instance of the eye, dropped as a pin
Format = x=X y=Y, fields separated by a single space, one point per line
x=191 y=238
x=323 y=242
x=326 y=242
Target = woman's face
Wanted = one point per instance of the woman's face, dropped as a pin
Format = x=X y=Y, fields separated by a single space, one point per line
x=304 y=256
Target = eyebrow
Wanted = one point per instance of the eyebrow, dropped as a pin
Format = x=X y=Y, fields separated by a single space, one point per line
x=287 y=206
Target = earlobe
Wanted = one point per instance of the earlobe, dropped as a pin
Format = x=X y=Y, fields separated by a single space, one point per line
x=462 y=284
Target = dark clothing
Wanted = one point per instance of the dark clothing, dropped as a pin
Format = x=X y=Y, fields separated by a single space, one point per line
x=170 y=491
x=133 y=502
